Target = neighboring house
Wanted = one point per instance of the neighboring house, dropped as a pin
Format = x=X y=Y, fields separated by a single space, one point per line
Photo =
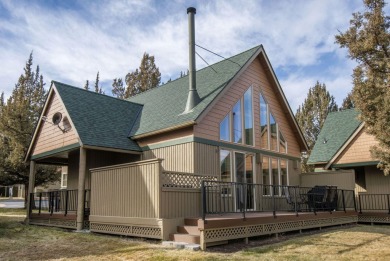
x=145 y=165
x=344 y=144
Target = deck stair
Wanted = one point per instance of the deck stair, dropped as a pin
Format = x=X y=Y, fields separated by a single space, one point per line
x=189 y=233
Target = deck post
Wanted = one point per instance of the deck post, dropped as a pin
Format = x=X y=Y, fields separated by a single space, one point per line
x=203 y=191
x=81 y=188
x=354 y=200
x=31 y=185
x=342 y=193
x=360 y=204
x=388 y=202
x=66 y=202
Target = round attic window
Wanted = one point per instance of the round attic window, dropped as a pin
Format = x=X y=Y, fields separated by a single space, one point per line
x=57 y=117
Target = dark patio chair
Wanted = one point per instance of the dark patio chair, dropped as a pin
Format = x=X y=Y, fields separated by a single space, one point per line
x=293 y=198
x=317 y=198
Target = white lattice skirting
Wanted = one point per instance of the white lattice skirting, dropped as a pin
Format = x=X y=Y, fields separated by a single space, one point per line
x=138 y=231
x=222 y=234
x=57 y=223
x=374 y=219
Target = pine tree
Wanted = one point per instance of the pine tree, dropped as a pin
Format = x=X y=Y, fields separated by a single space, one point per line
x=146 y=77
x=348 y=102
x=86 y=86
x=118 y=90
x=97 y=88
x=368 y=43
x=311 y=116
x=18 y=118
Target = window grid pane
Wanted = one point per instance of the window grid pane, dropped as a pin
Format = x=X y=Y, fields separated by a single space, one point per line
x=237 y=123
x=224 y=129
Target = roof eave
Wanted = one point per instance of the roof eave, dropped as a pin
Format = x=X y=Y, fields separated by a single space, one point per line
x=172 y=128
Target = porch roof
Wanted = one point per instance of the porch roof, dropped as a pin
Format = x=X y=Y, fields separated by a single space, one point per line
x=100 y=120
x=338 y=128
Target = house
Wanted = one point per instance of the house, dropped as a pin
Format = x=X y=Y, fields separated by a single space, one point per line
x=344 y=144
x=166 y=157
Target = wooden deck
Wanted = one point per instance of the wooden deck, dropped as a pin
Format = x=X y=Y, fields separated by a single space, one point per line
x=57 y=220
x=219 y=229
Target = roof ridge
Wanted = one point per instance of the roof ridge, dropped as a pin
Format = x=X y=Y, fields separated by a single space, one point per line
x=344 y=110
x=210 y=66
x=92 y=92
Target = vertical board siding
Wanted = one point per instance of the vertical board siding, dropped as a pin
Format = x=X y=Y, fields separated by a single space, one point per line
x=180 y=203
x=128 y=190
x=342 y=179
x=178 y=158
x=95 y=159
x=206 y=159
x=376 y=181
x=358 y=150
x=258 y=78
x=49 y=136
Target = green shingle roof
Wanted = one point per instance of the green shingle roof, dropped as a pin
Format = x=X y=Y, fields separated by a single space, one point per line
x=100 y=120
x=337 y=129
x=164 y=106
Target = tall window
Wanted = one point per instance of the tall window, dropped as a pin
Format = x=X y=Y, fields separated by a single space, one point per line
x=274 y=171
x=263 y=123
x=275 y=175
x=266 y=176
x=225 y=162
x=273 y=132
x=224 y=129
x=271 y=136
x=248 y=117
x=237 y=126
x=237 y=123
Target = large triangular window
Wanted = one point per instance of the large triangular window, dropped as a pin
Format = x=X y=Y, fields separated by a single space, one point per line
x=271 y=135
x=237 y=126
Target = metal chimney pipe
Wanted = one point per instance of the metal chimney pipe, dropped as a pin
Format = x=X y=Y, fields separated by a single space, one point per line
x=193 y=96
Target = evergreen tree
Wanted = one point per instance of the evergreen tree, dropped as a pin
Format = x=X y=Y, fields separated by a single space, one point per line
x=97 y=88
x=348 y=102
x=18 y=118
x=368 y=43
x=311 y=116
x=86 y=86
x=118 y=90
x=146 y=77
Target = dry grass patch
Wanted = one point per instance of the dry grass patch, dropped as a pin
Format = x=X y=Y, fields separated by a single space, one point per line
x=21 y=242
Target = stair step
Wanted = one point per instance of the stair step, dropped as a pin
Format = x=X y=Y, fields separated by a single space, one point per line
x=193 y=230
x=191 y=221
x=186 y=238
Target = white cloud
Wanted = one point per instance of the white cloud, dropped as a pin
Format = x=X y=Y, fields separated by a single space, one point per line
x=71 y=45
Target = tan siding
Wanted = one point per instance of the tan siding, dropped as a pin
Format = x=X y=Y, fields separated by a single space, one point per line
x=206 y=159
x=376 y=181
x=129 y=190
x=256 y=76
x=342 y=179
x=180 y=203
x=50 y=137
x=95 y=159
x=167 y=136
x=358 y=150
x=178 y=158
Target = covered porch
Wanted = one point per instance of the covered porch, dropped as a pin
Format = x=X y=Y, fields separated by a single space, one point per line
x=61 y=208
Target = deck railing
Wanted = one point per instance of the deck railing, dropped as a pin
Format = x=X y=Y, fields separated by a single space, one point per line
x=58 y=202
x=374 y=202
x=231 y=197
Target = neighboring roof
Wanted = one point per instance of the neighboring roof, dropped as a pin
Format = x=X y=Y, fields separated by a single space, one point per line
x=164 y=106
x=338 y=128
x=100 y=120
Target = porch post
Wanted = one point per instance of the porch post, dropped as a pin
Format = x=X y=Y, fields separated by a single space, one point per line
x=31 y=185
x=81 y=189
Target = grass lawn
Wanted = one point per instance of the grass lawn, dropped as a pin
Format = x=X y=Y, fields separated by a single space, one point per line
x=21 y=242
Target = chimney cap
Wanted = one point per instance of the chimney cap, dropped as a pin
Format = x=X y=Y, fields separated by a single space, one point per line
x=191 y=10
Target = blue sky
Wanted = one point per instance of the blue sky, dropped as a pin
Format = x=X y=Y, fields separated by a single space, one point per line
x=72 y=40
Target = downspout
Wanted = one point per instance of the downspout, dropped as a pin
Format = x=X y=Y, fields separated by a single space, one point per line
x=193 y=96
